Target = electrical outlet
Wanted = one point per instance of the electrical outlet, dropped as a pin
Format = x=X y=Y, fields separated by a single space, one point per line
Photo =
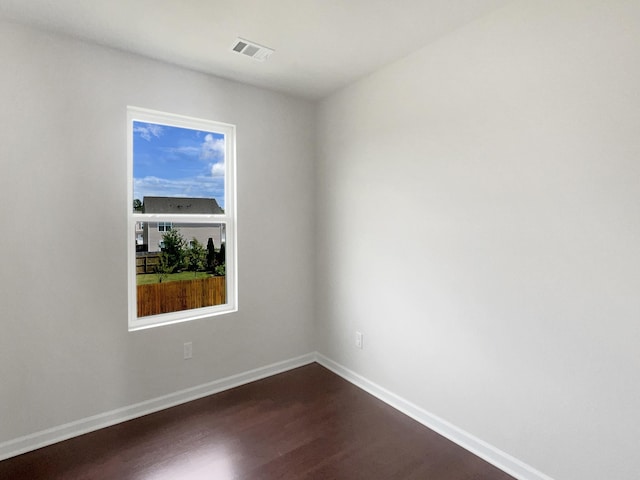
x=359 y=339
x=188 y=350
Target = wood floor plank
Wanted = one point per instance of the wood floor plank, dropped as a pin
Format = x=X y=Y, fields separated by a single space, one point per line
x=307 y=423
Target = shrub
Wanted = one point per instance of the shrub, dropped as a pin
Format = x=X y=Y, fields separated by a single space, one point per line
x=196 y=256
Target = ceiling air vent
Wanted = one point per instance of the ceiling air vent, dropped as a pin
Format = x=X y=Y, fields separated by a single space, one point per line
x=252 y=49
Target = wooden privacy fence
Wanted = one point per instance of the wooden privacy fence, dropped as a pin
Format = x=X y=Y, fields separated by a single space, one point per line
x=182 y=295
x=147 y=262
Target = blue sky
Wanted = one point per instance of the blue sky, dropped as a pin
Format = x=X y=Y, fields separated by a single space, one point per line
x=177 y=162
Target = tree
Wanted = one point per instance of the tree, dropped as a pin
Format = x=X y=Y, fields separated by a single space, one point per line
x=211 y=255
x=221 y=266
x=197 y=256
x=163 y=269
x=222 y=254
x=137 y=205
x=174 y=247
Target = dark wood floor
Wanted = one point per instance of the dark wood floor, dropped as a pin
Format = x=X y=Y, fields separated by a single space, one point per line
x=303 y=424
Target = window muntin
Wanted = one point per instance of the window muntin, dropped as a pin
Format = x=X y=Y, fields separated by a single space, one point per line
x=182 y=182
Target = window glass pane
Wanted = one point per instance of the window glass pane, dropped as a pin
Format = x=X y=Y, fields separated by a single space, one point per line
x=177 y=170
x=182 y=268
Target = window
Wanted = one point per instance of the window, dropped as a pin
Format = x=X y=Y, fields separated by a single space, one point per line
x=181 y=211
x=164 y=226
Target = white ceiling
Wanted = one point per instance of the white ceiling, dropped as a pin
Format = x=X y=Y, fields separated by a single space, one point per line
x=320 y=45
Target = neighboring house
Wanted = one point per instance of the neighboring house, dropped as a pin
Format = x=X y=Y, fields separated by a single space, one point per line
x=139 y=235
x=152 y=232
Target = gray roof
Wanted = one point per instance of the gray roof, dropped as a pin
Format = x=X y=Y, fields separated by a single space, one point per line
x=180 y=205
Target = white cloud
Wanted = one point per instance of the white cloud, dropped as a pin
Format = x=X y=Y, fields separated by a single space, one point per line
x=148 y=130
x=217 y=169
x=212 y=148
x=185 y=150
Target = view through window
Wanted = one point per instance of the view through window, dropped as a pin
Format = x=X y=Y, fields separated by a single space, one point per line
x=181 y=218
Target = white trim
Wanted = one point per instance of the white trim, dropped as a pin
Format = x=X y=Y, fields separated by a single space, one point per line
x=43 y=438
x=482 y=449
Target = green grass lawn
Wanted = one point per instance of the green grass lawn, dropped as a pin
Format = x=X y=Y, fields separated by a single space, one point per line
x=147 y=278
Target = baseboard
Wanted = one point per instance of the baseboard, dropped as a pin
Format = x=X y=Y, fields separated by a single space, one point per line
x=496 y=457
x=43 y=438
x=482 y=449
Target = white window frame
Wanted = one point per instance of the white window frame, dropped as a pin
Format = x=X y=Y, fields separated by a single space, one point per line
x=228 y=218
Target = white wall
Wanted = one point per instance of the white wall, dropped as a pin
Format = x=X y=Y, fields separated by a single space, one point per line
x=65 y=352
x=478 y=207
x=479 y=222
